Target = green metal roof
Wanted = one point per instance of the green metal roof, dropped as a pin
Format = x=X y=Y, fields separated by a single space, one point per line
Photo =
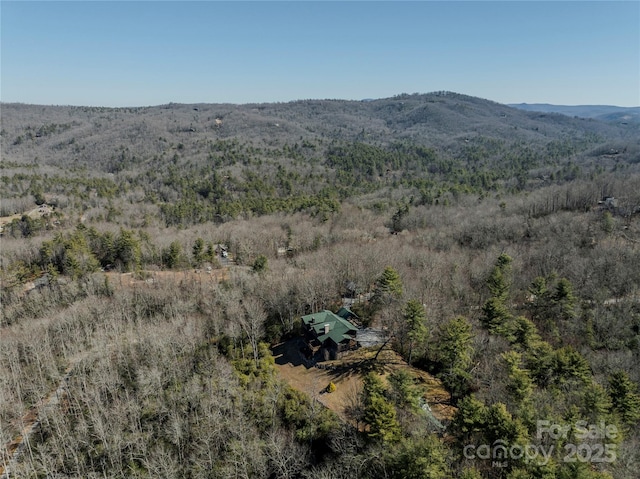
x=346 y=313
x=338 y=327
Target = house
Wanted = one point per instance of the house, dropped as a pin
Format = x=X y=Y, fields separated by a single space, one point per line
x=329 y=334
x=608 y=202
x=222 y=250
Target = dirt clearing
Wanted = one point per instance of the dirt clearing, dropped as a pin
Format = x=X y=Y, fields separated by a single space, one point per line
x=346 y=373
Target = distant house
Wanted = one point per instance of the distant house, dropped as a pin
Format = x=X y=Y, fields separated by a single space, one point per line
x=608 y=202
x=329 y=334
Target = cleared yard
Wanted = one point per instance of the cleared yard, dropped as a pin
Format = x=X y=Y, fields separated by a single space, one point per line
x=346 y=373
x=37 y=212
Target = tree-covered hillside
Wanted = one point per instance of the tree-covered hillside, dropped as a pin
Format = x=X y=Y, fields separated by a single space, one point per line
x=614 y=114
x=152 y=257
x=195 y=163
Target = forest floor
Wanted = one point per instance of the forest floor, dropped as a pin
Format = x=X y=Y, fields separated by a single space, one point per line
x=347 y=373
x=31 y=421
x=128 y=280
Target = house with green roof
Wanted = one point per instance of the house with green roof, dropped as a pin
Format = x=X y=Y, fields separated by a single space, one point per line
x=329 y=334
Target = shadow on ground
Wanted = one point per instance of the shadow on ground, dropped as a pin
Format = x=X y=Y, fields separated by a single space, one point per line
x=290 y=352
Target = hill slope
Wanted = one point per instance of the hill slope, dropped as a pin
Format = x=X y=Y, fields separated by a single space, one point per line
x=91 y=135
x=211 y=162
x=509 y=287
x=614 y=114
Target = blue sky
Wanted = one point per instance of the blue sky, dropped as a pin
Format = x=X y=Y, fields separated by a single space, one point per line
x=155 y=52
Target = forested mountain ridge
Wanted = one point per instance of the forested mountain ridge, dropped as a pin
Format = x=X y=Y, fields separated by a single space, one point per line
x=437 y=120
x=239 y=154
x=151 y=259
x=609 y=113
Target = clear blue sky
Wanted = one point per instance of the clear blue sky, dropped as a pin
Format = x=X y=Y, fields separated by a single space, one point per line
x=155 y=52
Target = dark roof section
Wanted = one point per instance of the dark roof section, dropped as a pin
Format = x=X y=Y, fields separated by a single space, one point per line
x=346 y=313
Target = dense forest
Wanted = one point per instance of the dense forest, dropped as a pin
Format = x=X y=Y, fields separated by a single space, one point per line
x=154 y=260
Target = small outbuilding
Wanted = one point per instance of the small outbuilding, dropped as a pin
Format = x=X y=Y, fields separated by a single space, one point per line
x=608 y=202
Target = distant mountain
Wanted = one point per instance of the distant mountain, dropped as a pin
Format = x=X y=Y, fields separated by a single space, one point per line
x=212 y=162
x=613 y=114
x=449 y=122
